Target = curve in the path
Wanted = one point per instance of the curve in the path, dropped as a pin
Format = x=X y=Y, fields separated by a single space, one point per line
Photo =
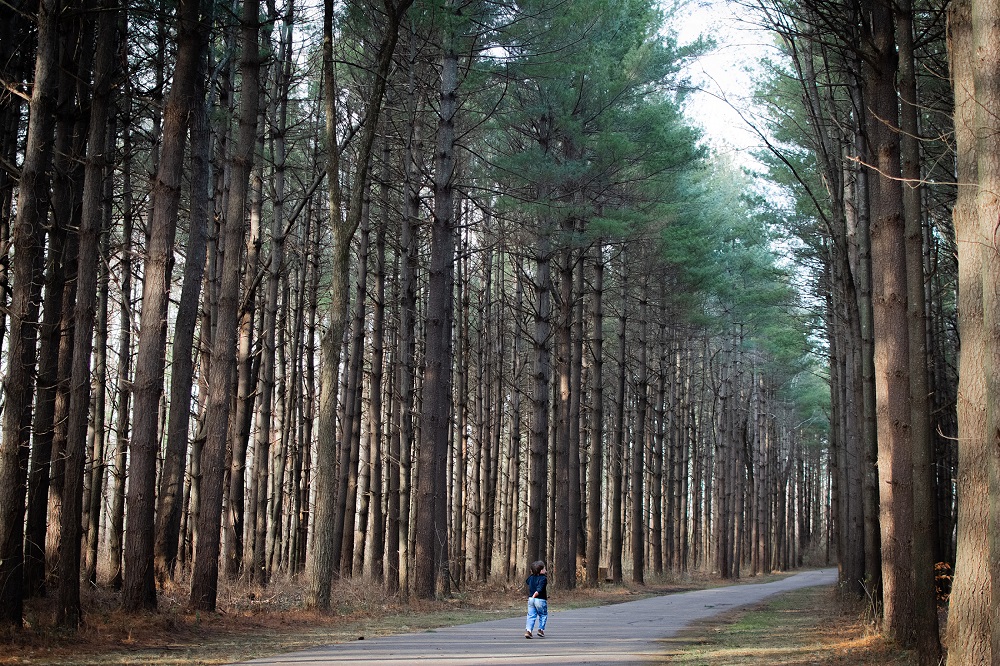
x=625 y=633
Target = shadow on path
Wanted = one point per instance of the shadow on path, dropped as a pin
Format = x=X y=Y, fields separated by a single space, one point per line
x=624 y=633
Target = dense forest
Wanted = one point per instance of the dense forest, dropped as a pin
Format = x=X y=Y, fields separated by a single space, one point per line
x=422 y=290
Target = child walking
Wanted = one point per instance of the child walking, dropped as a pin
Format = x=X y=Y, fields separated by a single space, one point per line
x=538 y=605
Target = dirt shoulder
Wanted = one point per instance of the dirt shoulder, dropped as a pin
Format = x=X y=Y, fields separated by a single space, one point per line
x=811 y=627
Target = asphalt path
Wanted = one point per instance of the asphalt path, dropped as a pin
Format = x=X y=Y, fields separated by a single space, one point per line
x=625 y=633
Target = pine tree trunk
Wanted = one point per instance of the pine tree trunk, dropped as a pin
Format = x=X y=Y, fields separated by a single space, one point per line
x=985 y=32
x=376 y=553
x=595 y=465
x=168 y=518
x=564 y=566
x=616 y=467
x=863 y=364
x=269 y=375
x=892 y=382
x=69 y=612
x=18 y=384
x=925 y=522
x=969 y=612
x=431 y=530
x=46 y=476
x=637 y=522
x=538 y=443
x=659 y=433
x=67 y=203
x=205 y=576
x=243 y=506
x=97 y=434
x=40 y=471
x=577 y=487
x=323 y=562
x=401 y=439
x=139 y=586
x=347 y=494
x=514 y=486
x=116 y=517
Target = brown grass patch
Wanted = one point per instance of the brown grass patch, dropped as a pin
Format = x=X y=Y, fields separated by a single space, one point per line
x=810 y=627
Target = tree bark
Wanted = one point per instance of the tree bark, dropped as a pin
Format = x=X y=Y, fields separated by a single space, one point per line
x=269 y=376
x=323 y=563
x=205 y=576
x=168 y=517
x=431 y=531
x=139 y=583
x=69 y=612
x=564 y=566
x=616 y=462
x=27 y=239
x=401 y=439
x=892 y=376
x=116 y=517
x=540 y=399
x=925 y=521
x=970 y=622
x=376 y=553
x=985 y=32
x=595 y=464
x=97 y=434
x=637 y=523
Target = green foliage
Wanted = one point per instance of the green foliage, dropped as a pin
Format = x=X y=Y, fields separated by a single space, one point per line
x=590 y=130
x=721 y=249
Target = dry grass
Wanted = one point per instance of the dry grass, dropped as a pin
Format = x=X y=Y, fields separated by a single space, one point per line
x=253 y=622
x=810 y=627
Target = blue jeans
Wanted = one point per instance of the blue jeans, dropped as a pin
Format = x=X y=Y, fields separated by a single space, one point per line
x=537 y=608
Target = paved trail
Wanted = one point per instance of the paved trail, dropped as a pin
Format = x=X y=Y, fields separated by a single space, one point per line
x=625 y=633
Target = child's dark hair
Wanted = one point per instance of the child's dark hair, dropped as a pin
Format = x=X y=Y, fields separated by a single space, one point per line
x=537 y=566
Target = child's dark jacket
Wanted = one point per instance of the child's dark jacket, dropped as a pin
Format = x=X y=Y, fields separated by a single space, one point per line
x=537 y=583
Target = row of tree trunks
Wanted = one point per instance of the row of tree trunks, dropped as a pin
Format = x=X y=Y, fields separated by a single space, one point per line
x=442 y=316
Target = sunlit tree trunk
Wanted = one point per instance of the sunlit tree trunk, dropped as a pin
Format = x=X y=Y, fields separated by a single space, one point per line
x=268 y=381
x=564 y=566
x=969 y=620
x=892 y=377
x=377 y=530
x=985 y=36
x=97 y=434
x=350 y=452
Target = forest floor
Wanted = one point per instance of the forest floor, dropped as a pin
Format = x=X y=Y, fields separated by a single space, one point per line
x=810 y=626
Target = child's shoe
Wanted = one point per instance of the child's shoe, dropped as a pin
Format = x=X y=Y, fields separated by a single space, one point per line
x=541 y=633
x=527 y=634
